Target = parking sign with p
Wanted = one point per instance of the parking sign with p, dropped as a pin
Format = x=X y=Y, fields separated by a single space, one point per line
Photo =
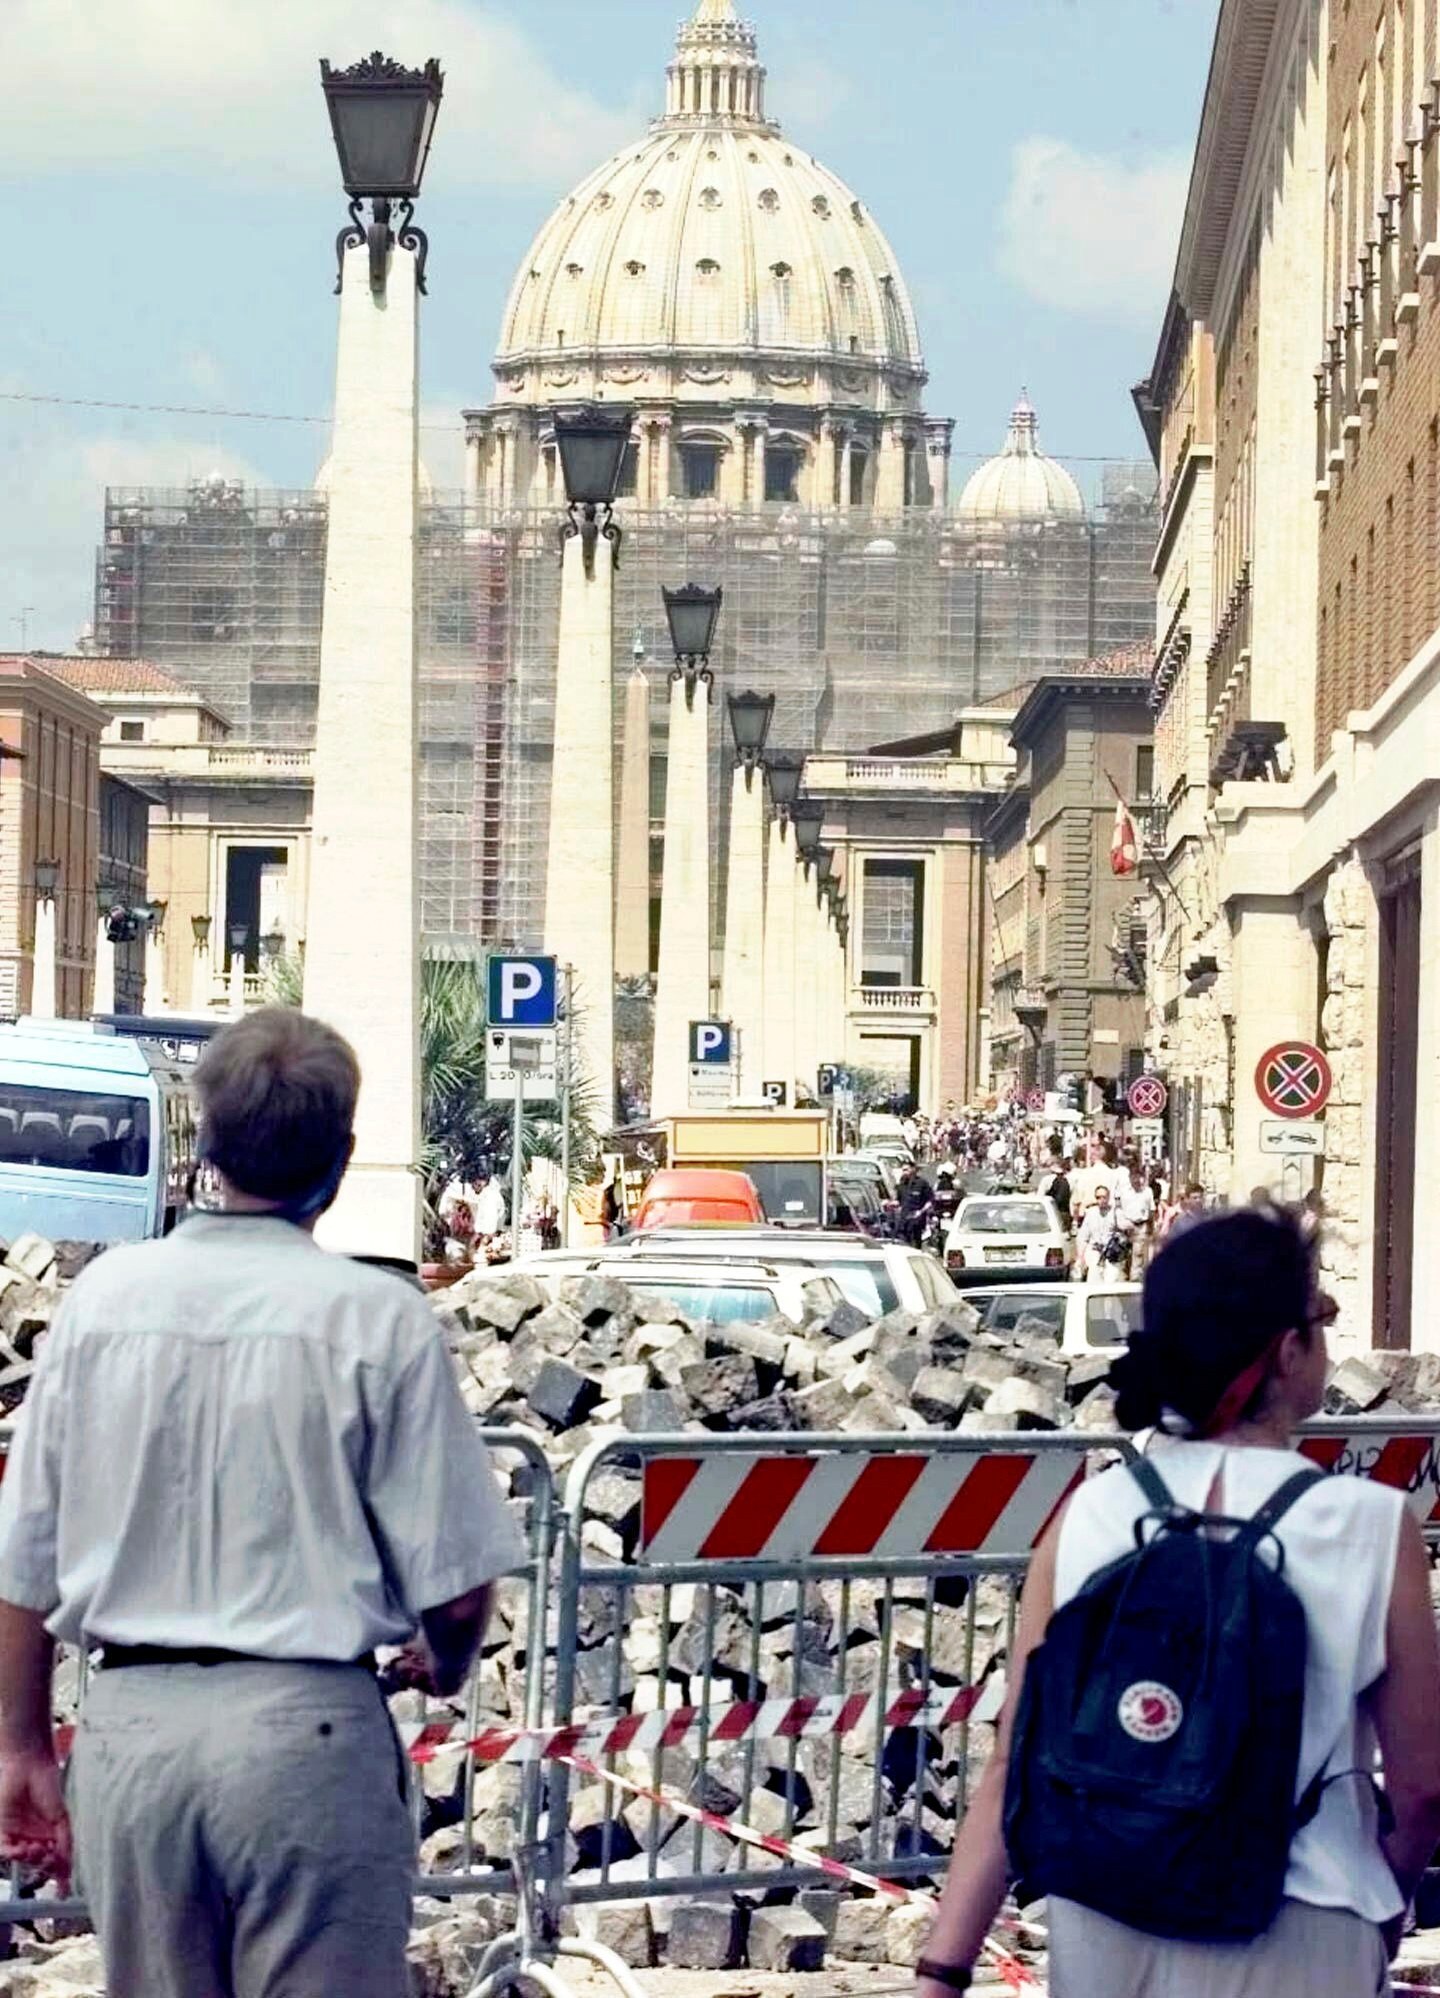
x=521 y=991
x=710 y=1043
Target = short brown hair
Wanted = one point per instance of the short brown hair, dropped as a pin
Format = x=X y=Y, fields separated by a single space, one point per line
x=277 y=1102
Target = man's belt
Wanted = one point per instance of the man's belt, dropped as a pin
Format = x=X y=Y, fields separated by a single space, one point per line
x=116 y=1657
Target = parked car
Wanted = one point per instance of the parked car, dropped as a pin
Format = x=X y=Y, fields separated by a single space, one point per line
x=1019 y=1233
x=1079 y=1318
x=876 y=1277
x=706 y=1289
x=697 y=1197
x=875 y=1167
x=855 y=1204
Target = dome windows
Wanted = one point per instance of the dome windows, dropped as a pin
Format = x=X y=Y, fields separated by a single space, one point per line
x=710 y=198
x=574 y=270
x=769 y=200
x=845 y=278
x=634 y=268
x=652 y=198
x=707 y=269
x=821 y=207
x=604 y=201
x=857 y=214
x=781 y=272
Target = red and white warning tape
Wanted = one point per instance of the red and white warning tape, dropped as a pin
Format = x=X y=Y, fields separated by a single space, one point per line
x=739 y=1720
x=1010 y=1967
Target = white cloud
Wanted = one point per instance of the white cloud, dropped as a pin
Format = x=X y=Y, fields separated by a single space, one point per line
x=230 y=89
x=1092 y=232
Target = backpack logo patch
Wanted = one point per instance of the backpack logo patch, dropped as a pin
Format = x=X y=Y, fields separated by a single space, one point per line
x=1150 y=1712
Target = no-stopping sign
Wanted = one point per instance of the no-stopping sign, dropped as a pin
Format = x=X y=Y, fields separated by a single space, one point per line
x=1293 y=1079
x=1147 y=1096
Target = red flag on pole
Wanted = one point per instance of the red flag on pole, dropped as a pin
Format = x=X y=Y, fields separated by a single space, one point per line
x=1125 y=843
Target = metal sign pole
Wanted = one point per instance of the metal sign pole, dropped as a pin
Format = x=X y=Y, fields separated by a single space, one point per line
x=566 y=1047
x=517 y=1167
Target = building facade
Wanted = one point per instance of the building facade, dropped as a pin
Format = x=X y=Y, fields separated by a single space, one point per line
x=1293 y=408
x=50 y=813
x=907 y=824
x=1067 y=985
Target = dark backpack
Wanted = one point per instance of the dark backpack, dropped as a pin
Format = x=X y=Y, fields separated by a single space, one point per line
x=1156 y=1748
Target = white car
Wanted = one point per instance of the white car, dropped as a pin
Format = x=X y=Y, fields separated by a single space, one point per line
x=1017 y=1234
x=876 y=1277
x=730 y=1292
x=1078 y=1317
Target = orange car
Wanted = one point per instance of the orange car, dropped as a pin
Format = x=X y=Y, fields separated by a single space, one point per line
x=695 y=1197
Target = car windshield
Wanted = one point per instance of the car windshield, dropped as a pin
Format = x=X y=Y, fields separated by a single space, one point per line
x=72 y=1130
x=868 y=1286
x=1019 y=1311
x=710 y=1303
x=1004 y=1217
x=1111 y=1317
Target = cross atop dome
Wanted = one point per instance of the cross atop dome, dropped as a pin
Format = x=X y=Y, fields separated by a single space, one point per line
x=716 y=77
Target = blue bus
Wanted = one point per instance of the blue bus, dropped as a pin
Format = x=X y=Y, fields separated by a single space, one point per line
x=97 y=1133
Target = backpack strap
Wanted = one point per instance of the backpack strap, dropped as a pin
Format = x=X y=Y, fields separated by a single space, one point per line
x=1279 y=1502
x=1152 y=1484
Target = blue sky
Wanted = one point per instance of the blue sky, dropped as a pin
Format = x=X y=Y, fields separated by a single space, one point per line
x=174 y=206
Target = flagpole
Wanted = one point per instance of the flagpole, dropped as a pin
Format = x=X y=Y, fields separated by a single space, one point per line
x=1154 y=858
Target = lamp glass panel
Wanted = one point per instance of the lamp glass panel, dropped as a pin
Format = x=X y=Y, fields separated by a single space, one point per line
x=592 y=451
x=750 y=716
x=693 y=614
x=380 y=135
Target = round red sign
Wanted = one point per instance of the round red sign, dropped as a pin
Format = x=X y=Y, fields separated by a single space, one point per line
x=1036 y=1099
x=1148 y=1096
x=1293 y=1079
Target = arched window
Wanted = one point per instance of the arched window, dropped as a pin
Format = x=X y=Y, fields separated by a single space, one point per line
x=783 y=461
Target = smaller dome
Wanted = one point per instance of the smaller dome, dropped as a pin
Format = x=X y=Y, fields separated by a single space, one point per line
x=1022 y=483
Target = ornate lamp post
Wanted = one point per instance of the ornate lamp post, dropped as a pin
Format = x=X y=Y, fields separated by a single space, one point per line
x=365 y=978
x=743 y=969
x=383 y=118
x=781 y=906
x=580 y=865
x=202 y=970
x=807 y=817
x=683 y=980
x=44 y=971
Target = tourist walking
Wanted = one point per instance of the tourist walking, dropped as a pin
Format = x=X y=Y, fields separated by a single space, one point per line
x=1099 y=1248
x=1323 y=1580
x=241 y=1466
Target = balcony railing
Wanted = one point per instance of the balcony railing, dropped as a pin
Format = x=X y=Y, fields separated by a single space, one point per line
x=892 y=999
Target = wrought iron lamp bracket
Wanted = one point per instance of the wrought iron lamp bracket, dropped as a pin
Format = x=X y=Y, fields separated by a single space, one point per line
x=695 y=673
x=593 y=524
x=381 y=238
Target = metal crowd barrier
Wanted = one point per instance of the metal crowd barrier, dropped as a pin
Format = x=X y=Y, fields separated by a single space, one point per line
x=798 y=1573
x=531 y=1586
x=801 y=1575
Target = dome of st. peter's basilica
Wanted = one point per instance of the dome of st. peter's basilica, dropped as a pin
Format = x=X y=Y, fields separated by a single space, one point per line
x=743 y=299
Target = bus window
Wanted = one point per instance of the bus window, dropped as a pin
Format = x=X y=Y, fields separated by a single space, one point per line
x=73 y=1130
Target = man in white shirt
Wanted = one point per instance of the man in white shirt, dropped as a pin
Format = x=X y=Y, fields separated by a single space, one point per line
x=242 y=1465
x=1135 y=1217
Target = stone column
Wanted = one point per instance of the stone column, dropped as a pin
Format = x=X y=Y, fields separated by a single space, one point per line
x=806 y=1055
x=632 y=868
x=682 y=991
x=474 y=463
x=580 y=869
x=202 y=978
x=235 y=985
x=760 y=435
x=154 y=1001
x=362 y=964
x=654 y=487
x=42 y=975
x=743 y=974
x=104 y=1000
x=778 y=1040
x=939 y=438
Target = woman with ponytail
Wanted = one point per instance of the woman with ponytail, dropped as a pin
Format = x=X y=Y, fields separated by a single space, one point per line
x=1231 y=1360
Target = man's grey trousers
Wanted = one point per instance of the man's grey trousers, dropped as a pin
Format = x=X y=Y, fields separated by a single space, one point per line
x=241 y=1832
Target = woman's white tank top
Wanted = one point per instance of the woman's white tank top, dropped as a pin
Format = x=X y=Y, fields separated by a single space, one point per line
x=1340 y=1540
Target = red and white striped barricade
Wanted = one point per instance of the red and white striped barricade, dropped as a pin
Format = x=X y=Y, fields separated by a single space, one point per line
x=803 y=1635
x=1402 y=1451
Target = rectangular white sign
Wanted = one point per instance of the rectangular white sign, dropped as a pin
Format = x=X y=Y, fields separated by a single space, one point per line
x=711 y=1088
x=1305 y=1138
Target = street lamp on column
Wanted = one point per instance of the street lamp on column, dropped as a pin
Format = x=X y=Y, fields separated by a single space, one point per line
x=47 y=879
x=692 y=613
x=784 y=772
x=383 y=118
x=45 y=971
x=592 y=443
x=750 y=717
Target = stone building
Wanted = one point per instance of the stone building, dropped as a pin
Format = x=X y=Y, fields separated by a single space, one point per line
x=228 y=822
x=1298 y=665
x=1067 y=975
x=50 y=812
x=907 y=823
